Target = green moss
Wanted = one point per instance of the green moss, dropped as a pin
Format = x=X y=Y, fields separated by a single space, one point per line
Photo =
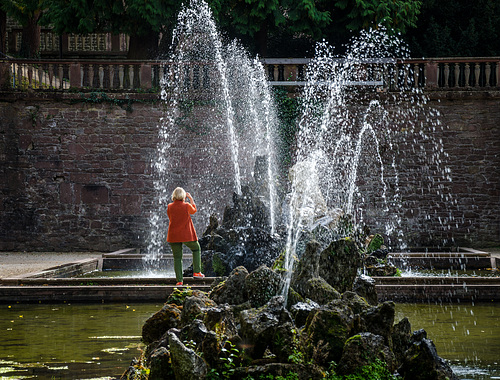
x=377 y=370
x=178 y=296
x=375 y=243
x=218 y=266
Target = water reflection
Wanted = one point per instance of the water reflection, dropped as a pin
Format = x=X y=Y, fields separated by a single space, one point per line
x=468 y=335
x=77 y=341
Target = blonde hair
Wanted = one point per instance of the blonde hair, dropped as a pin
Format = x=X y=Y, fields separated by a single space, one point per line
x=179 y=194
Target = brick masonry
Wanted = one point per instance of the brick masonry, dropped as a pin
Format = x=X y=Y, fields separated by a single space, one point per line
x=78 y=176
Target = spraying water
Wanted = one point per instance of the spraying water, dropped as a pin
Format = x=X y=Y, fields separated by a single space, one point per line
x=351 y=132
x=218 y=120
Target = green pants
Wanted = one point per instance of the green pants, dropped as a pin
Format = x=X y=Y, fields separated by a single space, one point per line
x=194 y=246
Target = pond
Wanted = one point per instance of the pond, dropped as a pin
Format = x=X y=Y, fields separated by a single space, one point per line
x=468 y=335
x=98 y=341
x=70 y=341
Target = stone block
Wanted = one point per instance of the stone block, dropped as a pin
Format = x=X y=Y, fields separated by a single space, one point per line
x=95 y=194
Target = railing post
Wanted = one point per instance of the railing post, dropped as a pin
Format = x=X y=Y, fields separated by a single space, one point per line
x=115 y=42
x=61 y=76
x=131 y=76
x=4 y=75
x=121 y=74
x=497 y=79
x=487 y=74
x=112 y=69
x=477 y=71
x=64 y=43
x=101 y=76
x=431 y=69
x=91 y=75
x=75 y=75
x=145 y=76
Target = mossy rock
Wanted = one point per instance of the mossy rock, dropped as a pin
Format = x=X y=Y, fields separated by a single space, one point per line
x=375 y=243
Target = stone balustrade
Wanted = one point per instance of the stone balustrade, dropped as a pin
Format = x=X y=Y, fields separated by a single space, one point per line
x=69 y=43
x=123 y=75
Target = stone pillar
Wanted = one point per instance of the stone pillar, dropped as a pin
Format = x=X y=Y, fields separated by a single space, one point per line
x=75 y=75
x=115 y=42
x=145 y=75
x=64 y=43
x=4 y=75
x=432 y=74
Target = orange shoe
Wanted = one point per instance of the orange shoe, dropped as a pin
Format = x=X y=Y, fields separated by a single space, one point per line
x=179 y=283
x=198 y=275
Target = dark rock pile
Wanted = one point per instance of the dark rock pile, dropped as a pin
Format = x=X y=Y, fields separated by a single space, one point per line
x=244 y=328
x=243 y=238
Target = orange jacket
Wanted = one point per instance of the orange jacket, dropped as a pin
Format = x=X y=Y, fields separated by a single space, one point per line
x=181 y=228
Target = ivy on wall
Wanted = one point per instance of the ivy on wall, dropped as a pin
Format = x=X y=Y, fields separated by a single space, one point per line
x=97 y=97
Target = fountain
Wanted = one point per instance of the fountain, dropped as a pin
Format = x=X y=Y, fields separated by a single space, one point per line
x=351 y=132
x=219 y=119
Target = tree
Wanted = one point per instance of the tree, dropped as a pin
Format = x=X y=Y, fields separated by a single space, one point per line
x=27 y=13
x=142 y=20
x=457 y=28
x=3 y=32
x=258 y=19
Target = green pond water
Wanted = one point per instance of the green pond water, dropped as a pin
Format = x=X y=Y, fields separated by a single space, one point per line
x=467 y=335
x=98 y=341
x=70 y=341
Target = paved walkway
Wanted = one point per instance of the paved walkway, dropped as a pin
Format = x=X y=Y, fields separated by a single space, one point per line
x=13 y=264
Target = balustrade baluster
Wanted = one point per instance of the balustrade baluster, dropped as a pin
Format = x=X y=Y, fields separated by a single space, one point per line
x=446 y=75
x=270 y=73
x=61 y=76
x=40 y=76
x=281 y=73
x=424 y=75
x=467 y=74
x=82 y=73
x=112 y=69
x=416 y=75
x=477 y=71
x=91 y=75
x=51 y=75
x=121 y=74
x=300 y=73
x=487 y=74
x=30 y=76
x=101 y=76
x=19 y=75
x=131 y=76
x=497 y=77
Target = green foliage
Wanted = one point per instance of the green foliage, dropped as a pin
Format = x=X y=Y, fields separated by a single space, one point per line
x=23 y=11
x=290 y=376
x=396 y=15
x=376 y=370
x=375 y=243
x=178 y=296
x=288 y=113
x=230 y=358
x=297 y=356
x=259 y=18
x=456 y=28
x=98 y=97
x=218 y=265
x=135 y=17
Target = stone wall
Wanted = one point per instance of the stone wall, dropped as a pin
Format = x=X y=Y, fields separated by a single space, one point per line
x=77 y=176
